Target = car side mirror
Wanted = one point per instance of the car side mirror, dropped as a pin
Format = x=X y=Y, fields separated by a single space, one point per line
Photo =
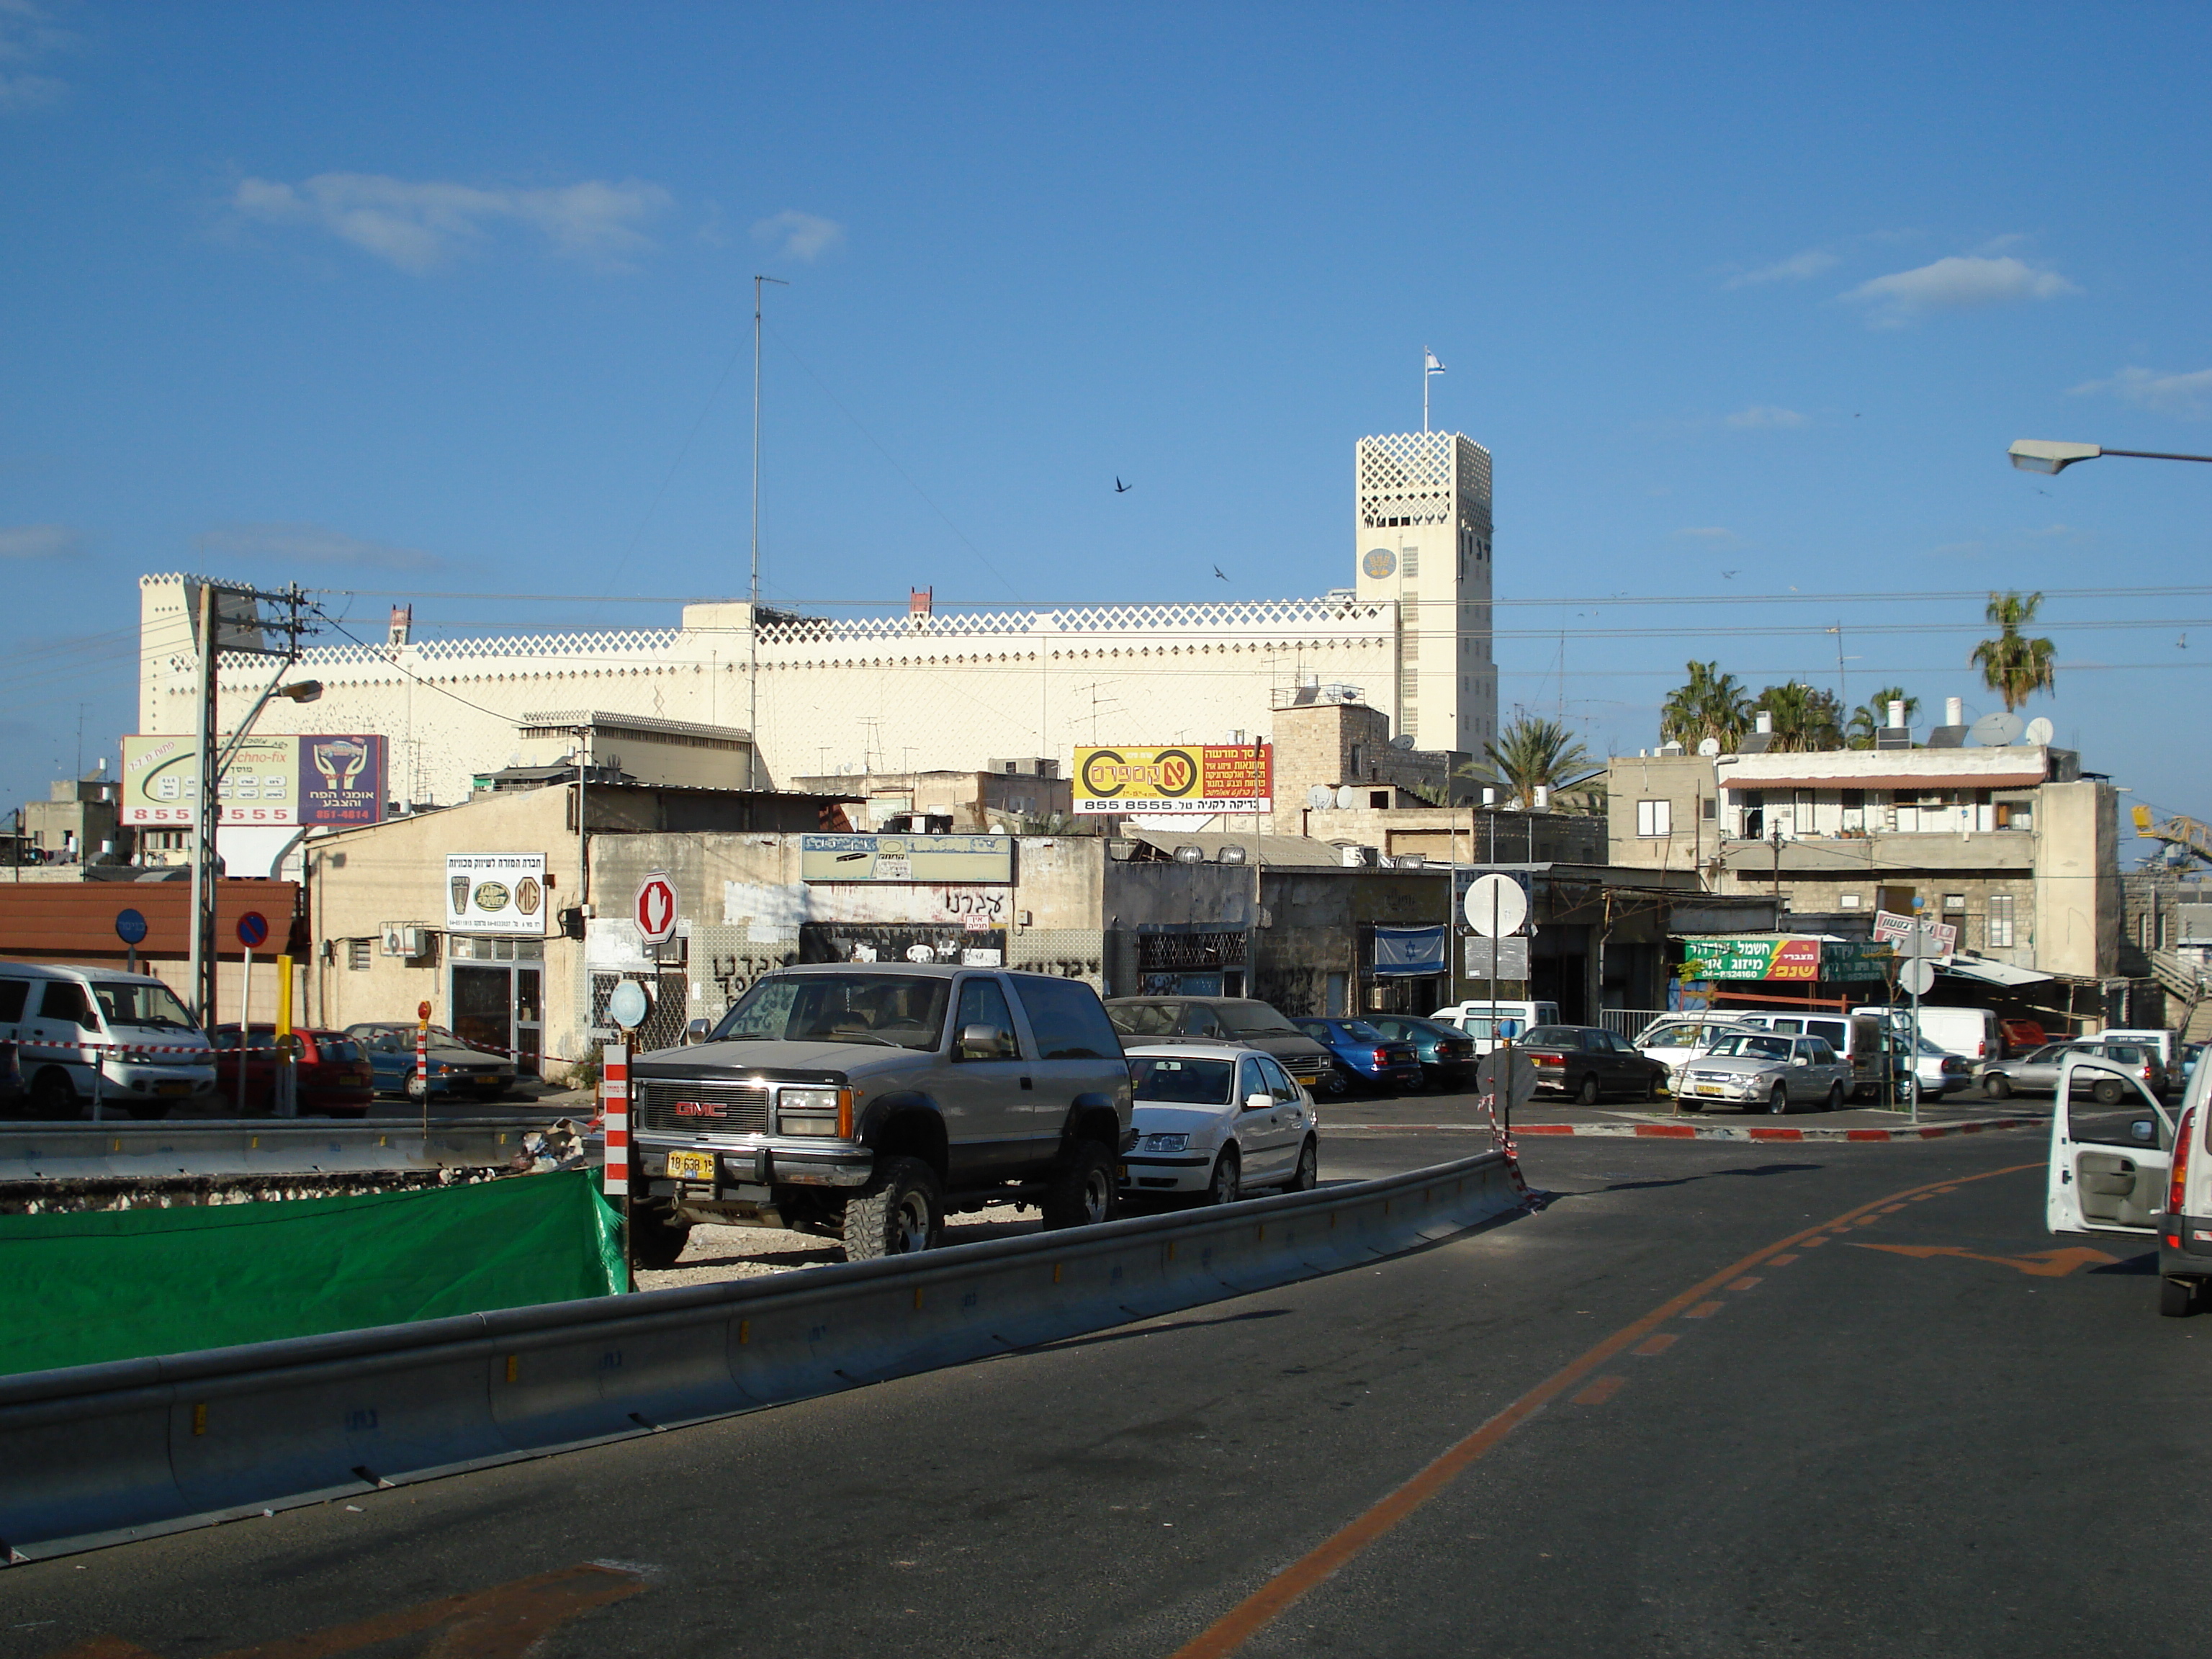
x=981 y=1042
x=697 y=1030
x=1259 y=1101
x=2143 y=1131
x=1799 y=1059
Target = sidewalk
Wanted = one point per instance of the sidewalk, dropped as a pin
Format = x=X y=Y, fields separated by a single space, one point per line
x=1657 y=1120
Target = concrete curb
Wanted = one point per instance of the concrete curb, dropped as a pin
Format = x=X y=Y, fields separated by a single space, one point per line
x=98 y=1454
x=1702 y=1131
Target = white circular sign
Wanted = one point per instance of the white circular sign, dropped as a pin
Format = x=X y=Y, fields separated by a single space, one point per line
x=626 y=1005
x=1916 y=977
x=1496 y=906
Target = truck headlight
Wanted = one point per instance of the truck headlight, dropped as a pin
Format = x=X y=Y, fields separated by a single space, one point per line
x=814 y=1111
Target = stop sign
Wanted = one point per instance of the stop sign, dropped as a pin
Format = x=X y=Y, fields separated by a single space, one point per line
x=655 y=911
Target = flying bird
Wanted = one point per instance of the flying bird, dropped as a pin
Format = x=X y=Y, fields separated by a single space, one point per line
x=1217 y=571
x=2182 y=644
x=1120 y=489
x=1728 y=575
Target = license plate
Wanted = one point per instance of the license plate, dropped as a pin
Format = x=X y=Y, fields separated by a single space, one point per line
x=691 y=1166
x=1709 y=1088
x=173 y=1088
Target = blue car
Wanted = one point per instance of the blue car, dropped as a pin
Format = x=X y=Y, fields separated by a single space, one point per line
x=1363 y=1057
x=456 y=1067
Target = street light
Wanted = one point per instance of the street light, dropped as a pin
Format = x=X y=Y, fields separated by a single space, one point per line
x=2042 y=455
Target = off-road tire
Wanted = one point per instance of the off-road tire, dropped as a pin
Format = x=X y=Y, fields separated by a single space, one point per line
x=2176 y=1297
x=656 y=1238
x=1997 y=1086
x=1081 y=1191
x=1307 y=1175
x=1226 y=1183
x=1587 y=1095
x=53 y=1098
x=899 y=1211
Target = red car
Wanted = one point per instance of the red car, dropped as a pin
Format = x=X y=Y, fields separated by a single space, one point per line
x=332 y=1072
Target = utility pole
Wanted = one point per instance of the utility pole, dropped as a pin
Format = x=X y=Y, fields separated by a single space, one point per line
x=1774 y=840
x=752 y=609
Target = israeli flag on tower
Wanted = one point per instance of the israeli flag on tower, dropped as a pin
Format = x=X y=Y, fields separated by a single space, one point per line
x=1428 y=366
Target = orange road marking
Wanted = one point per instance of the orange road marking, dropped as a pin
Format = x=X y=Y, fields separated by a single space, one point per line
x=2042 y=1264
x=1285 y=1588
x=1780 y=1260
x=1891 y=1209
x=1600 y=1391
x=1658 y=1344
x=1810 y=1242
x=503 y=1622
x=1703 y=1310
x=1744 y=1284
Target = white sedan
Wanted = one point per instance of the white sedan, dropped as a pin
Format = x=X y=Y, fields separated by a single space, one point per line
x=1214 y=1120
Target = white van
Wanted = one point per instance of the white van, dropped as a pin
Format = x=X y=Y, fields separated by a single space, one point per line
x=2127 y=1167
x=66 y=1022
x=2161 y=1042
x=1512 y=1018
x=1972 y=1034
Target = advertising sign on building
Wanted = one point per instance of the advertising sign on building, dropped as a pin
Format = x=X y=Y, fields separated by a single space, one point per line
x=1734 y=957
x=1202 y=779
x=279 y=779
x=495 y=893
x=1892 y=929
x=907 y=858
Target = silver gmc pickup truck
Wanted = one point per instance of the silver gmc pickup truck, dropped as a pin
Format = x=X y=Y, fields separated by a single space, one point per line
x=866 y=1101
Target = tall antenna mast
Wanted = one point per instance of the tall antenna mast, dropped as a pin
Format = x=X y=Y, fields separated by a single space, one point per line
x=752 y=609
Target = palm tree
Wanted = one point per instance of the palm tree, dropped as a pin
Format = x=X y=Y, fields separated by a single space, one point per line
x=2014 y=666
x=1873 y=716
x=1804 y=718
x=1532 y=753
x=1709 y=704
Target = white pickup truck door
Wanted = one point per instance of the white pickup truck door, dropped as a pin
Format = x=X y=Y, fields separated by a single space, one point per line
x=2101 y=1179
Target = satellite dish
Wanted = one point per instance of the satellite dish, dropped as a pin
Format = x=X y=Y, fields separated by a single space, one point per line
x=1347 y=797
x=1403 y=740
x=1709 y=747
x=1321 y=797
x=2040 y=731
x=1995 y=731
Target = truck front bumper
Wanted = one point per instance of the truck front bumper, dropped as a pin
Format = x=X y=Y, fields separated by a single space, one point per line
x=762 y=1162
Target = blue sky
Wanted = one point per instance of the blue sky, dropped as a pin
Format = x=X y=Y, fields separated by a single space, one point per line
x=1747 y=302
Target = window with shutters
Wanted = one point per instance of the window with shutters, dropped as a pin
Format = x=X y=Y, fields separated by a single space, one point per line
x=1999 y=925
x=357 y=954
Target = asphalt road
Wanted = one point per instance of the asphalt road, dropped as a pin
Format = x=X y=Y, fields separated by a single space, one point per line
x=1936 y=1433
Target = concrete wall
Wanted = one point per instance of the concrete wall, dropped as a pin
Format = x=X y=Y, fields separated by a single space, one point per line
x=2077 y=881
x=1686 y=783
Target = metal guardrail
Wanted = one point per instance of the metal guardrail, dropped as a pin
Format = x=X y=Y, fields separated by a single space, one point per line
x=97 y=1455
x=255 y=1146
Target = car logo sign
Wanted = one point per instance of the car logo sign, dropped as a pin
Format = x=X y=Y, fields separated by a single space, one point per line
x=700 y=1109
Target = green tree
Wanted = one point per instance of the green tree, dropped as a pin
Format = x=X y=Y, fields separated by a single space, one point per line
x=1804 y=717
x=1873 y=716
x=1707 y=704
x=2013 y=665
x=1532 y=753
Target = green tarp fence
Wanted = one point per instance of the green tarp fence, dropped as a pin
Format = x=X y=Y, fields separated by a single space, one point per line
x=125 y=1283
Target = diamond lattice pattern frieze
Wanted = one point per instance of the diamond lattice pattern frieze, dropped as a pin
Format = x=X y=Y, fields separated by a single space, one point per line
x=1417 y=478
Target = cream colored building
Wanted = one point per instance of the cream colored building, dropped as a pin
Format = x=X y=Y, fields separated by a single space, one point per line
x=923 y=691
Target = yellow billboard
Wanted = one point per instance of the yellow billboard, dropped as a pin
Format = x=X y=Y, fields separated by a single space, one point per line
x=1201 y=779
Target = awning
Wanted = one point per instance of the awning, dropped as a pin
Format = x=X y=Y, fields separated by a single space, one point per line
x=1990 y=973
x=1909 y=782
x=1406 y=951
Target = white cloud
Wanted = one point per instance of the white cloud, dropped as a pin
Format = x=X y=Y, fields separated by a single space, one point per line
x=1794 y=269
x=420 y=225
x=1955 y=283
x=1707 y=532
x=40 y=541
x=1763 y=415
x=25 y=35
x=799 y=235
x=2165 y=394
x=312 y=543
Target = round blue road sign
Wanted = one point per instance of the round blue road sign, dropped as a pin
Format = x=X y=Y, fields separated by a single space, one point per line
x=130 y=927
x=253 y=930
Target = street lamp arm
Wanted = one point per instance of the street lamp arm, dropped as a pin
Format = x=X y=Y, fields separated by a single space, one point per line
x=2156 y=455
x=2043 y=455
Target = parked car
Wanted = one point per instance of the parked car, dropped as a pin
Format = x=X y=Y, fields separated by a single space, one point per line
x=1589 y=1062
x=1240 y=1020
x=1765 y=1071
x=2124 y=1165
x=2022 y=1035
x=2037 y=1073
x=332 y=1073
x=1446 y=1053
x=456 y=1067
x=864 y=1100
x=1487 y=1022
x=65 y=1022
x=1212 y=1122
x=1970 y=1033
x=2189 y=1052
x=2161 y=1043
x=1362 y=1057
x=1674 y=1038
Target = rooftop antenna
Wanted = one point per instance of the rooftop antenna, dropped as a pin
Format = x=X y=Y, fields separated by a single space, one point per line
x=752 y=610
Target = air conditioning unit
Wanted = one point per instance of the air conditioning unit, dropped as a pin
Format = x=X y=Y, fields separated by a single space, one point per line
x=405 y=939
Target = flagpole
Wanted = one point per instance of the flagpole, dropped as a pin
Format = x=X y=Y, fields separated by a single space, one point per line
x=1426 y=355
